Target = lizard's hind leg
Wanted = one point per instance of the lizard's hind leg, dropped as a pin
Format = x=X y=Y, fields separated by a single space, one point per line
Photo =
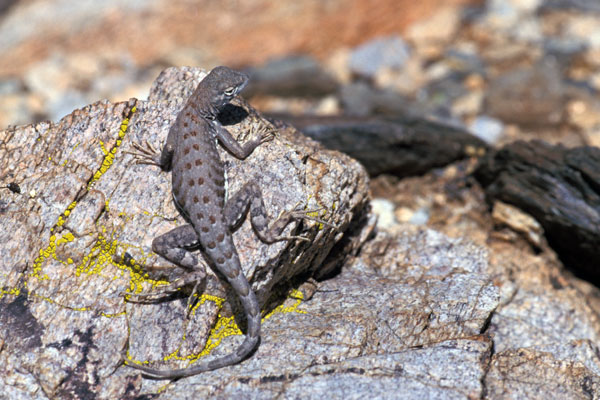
x=174 y=246
x=250 y=197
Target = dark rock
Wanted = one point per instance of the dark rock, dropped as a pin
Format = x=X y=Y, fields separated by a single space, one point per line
x=400 y=146
x=559 y=187
x=382 y=53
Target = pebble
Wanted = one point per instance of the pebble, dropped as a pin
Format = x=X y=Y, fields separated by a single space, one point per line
x=383 y=53
x=506 y=215
x=384 y=209
x=487 y=129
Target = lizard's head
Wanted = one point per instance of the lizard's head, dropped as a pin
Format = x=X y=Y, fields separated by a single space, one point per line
x=223 y=84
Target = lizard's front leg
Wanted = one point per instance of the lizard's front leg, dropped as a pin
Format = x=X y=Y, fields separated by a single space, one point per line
x=147 y=154
x=241 y=151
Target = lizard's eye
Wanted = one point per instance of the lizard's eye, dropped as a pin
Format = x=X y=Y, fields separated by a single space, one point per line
x=230 y=91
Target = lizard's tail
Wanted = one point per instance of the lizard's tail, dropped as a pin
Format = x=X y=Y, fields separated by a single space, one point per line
x=240 y=284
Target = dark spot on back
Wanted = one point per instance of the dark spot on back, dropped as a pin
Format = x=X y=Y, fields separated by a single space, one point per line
x=186 y=136
x=205 y=229
x=211 y=245
x=185 y=124
x=200 y=215
x=191 y=182
x=205 y=199
x=198 y=162
x=193 y=133
x=212 y=219
x=200 y=181
x=188 y=166
x=186 y=150
x=220 y=260
x=231 y=273
x=220 y=237
x=228 y=254
x=196 y=146
x=196 y=199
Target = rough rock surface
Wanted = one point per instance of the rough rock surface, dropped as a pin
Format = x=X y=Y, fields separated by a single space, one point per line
x=546 y=326
x=84 y=203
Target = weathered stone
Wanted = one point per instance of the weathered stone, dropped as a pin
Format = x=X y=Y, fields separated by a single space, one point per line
x=63 y=300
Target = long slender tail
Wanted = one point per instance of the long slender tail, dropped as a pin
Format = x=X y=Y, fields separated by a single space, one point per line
x=250 y=304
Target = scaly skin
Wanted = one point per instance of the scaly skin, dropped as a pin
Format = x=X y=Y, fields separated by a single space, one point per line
x=199 y=189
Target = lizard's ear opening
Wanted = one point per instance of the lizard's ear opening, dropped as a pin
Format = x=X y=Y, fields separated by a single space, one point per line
x=230 y=91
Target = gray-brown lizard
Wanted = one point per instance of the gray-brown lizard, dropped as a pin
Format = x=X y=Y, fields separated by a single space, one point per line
x=199 y=190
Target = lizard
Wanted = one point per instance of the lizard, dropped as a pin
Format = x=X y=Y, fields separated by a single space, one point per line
x=199 y=185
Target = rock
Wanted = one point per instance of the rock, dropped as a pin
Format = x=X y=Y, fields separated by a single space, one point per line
x=564 y=50
x=519 y=373
x=487 y=129
x=584 y=27
x=64 y=320
x=546 y=327
x=584 y=113
x=294 y=76
x=384 y=210
x=394 y=318
x=401 y=146
x=524 y=6
x=527 y=96
x=465 y=61
x=469 y=104
x=559 y=187
x=360 y=99
x=376 y=55
x=580 y=5
x=520 y=222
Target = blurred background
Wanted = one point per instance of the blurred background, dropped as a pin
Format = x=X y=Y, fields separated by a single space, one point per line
x=504 y=69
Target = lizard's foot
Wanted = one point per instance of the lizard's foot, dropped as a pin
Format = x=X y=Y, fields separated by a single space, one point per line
x=163 y=291
x=145 y=154
x=262 y=133
x=297 y=213
x=305 y=214
x=273 y=234
x=177 y=281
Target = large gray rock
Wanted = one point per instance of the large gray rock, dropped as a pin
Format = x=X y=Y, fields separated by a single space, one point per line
x=84 y=203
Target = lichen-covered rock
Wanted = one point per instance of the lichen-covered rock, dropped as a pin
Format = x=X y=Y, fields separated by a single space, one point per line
x=84 y=203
